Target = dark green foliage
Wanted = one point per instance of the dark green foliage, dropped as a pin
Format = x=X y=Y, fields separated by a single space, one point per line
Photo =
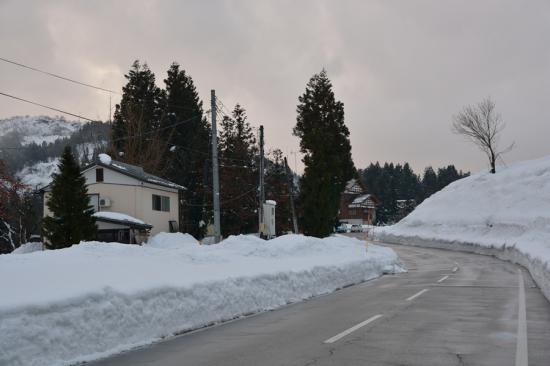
x=324 y=141
x=238 y=175
x=191 y=139
x=71 y=217
x=277 y=189
x=140 y=102
x=137 y=137
x=399 y=189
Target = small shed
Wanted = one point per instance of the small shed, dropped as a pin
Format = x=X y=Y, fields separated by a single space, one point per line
x=121 y=228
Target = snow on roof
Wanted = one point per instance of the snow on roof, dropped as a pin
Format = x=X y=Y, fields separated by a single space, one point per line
x=118 y=217
x=353 y=186
x=361 y=199
x=134 y=171
x=105 y=159
x=271 y=202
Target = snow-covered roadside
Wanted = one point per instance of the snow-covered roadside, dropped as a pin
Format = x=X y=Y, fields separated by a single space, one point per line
x=95 y=299
x=506 y=214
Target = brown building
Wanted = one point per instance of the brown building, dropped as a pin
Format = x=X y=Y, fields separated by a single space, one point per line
x=357 y=207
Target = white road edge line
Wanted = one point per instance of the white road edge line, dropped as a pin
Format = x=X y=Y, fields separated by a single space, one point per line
x=455 y=268
x=521 y=345
x=352 y=329
x=442 y=279
x=416 y=295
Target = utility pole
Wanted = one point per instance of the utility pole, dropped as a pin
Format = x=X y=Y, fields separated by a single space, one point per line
x=291 y=196
x=215 y=173
x=262 y=189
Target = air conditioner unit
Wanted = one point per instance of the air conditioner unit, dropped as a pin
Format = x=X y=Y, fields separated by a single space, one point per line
x=104 y=202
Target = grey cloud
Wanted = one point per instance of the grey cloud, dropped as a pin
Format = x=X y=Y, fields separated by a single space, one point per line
x=402 y=68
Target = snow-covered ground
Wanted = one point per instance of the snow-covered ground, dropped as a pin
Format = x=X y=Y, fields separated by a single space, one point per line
x=505 y=214
x=95 y=299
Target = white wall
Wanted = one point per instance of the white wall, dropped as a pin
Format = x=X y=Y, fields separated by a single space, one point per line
x=132 y=197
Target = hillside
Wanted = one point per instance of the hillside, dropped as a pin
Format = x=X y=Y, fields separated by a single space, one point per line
x=33 y=144
x=23 y=130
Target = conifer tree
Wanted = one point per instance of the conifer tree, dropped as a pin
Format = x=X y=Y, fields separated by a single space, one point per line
x=277 y=189
x=190 y=139
x=136 y=137
x=324 y=141
x=71 y=219
x=238 y=175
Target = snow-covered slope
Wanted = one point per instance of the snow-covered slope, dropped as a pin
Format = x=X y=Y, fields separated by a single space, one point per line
x=507 y=212
x=38 y=129
x=40 y=174
x=95 y=299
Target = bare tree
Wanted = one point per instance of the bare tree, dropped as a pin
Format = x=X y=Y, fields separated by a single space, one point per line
x=482 y=125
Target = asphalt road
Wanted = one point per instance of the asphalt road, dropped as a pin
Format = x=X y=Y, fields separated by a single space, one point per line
x=450 y=309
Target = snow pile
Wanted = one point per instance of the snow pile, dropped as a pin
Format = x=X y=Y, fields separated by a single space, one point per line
x=105 y=159
x=117 y=216
x=29 y=248
x=506 y=214
x=171 y=240
x=96 y=299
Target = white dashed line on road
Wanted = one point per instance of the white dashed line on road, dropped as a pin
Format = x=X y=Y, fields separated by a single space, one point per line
x=521 y=345
x=352 y=329
x=442 y=279
x=416 y=295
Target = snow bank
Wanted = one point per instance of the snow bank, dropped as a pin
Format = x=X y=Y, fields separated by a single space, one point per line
x=96 y=299
x=505 y=214
x=171 y=240
x=28 y=248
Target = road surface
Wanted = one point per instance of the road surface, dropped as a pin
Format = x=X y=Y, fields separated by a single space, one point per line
x=450 y=309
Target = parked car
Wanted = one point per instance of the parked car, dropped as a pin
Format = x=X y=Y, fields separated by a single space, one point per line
x=343 y=228
x=356 y=229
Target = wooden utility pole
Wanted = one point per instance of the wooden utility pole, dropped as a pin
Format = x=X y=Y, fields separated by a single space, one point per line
x=261 y=184
x=215 y=172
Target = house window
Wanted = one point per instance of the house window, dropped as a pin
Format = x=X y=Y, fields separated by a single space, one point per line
x=99 y=175
x=161 y=203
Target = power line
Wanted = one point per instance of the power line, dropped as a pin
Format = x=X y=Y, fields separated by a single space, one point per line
x=58 y=76
x=48 y=107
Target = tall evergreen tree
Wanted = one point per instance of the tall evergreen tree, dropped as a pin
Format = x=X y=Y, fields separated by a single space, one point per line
x=429 y=182
x=324 y=141
x=278 y=190
x=190 y=139
x=238 y=175
x=71 y=217
x=136 y=137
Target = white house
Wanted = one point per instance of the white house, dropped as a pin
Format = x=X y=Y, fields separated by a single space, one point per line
x=130 y=204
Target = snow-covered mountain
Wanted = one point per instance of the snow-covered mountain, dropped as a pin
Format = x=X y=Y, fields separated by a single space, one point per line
x=37 y=129
x=34 y=164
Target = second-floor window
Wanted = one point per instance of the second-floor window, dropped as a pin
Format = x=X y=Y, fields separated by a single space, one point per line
x=161 y=203
x=99 y=175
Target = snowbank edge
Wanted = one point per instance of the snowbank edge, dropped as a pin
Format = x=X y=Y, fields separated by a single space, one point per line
x=537 y=268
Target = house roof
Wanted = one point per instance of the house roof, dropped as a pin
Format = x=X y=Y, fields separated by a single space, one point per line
x=364 y=200
x=361 y=199
x=354 y=186
x=120 y=218
x=133 y=171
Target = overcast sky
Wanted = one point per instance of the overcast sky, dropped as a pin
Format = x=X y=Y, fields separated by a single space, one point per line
x=402 y=68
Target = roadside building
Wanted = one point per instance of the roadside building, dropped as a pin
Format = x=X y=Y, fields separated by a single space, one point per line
x=129 y=203
x=357 y=207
